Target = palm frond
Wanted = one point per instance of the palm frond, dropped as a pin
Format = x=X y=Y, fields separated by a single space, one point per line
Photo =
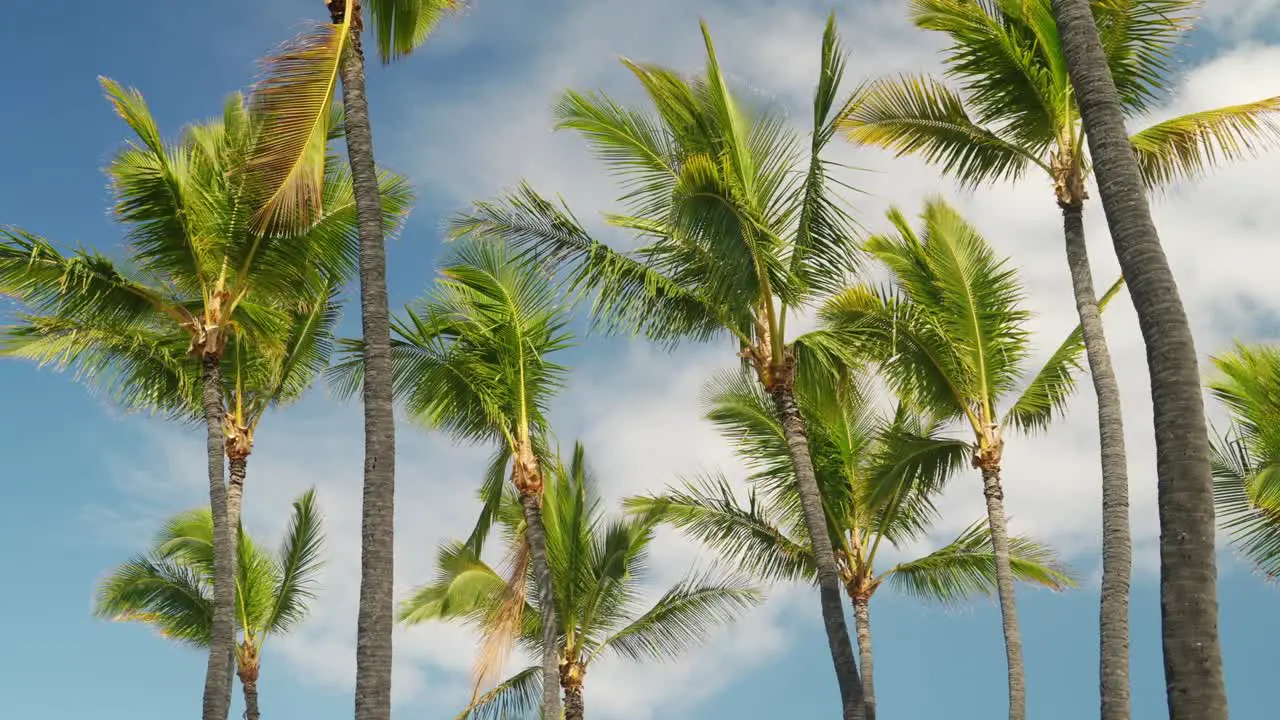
x=516 y=697
x=1140 y=39
x=1187 y=147
x=919 y=115
x=966 y=568
x=299 y=561
x=1254 y=529
x=464 y=587
x=683 y=617
x=1047 y=393
x=401 y=26
x=292 y=103
x=173 y=598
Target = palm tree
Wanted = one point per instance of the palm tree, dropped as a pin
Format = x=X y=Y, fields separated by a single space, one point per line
x=295 y=97
x=879 y=477
x=1015 y=112
x=597 y=568
x=474 y=358
x=950 y=337
x=1188 y=568
x=171 y=587
x=1246 y=489
x=740 y=229
x=202 y=270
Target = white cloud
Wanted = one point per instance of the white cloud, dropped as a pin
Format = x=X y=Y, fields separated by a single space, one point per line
x=637 y=409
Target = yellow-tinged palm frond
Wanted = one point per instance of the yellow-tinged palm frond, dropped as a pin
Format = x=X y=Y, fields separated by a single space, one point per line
x=402 y=25
x=919 y=115
x=1186 y=147
x=292 y=102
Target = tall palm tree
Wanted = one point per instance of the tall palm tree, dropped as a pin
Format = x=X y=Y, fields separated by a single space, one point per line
x=879 y=477
x=171 y=587
x=1188 y=568
x=597 y=567
x=739 y=229
x=202 y=270
x=474 y=358
x=949 y=334
x=1246 y=485
x=1015 y=112
x=294 y=98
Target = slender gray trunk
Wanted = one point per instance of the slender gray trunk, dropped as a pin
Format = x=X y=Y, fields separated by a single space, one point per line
x=866 y=666
x=574 y=709
x=994 y=494
x=1117 y=550
x=250 y=699
x=236 y=471
x=218 y=674
x=376 y=615
x=1188 y=567
x=536 y=535
x=815 y=518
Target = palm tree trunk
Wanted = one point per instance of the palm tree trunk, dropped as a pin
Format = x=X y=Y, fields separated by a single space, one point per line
x=862 y=621
x=1188 y=568
x=536 y=535
x=1004 y=583
x=1117 y=550
x=236 y=469
x=573 y=706
x=376 y=617
x=815 y=519
x=250 y=699
x=218 y=674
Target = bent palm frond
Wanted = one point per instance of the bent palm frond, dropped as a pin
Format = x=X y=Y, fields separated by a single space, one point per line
x=1186 y=147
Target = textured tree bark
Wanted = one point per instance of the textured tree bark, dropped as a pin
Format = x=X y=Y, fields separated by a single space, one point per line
x=376 y=615
x=1004 y=584
x=866 y=666
x=536 y=535
x=218 y=674
x=236 y=470
x=250 y=699
x=1188 y=568
x=1117 y=549
x=851 y=695
x=573 y=705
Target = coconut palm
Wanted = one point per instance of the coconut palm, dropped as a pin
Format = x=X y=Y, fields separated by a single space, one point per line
x=739 y=229
x=1103 y=88
x=294 y=98
x=1013 y=112
x=597 y=567
x=1245 y=460
x=949 y=335
x=201 y=268
x=171 y=587
x=879 y=476
x=474 y=358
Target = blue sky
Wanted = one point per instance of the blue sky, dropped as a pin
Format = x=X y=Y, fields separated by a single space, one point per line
x=85 y=485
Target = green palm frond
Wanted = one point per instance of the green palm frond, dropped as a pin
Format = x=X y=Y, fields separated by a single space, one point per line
x=173 y=598
x=683 y=617
x=464 y=587
x=299 y=562
x=628 y=294
x=292 y=104
x=516 y=697
x=401 y=26
x=706 y=510
x=1186 y=147
x=1140 y=39
x=1047 y=393
x=1003 y=54
x=922 y=116
x=1254 y=529
x=966 y=568
x=907 y=466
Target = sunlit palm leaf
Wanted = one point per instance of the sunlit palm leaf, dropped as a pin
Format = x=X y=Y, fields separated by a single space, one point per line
x=299 y=562
x=1185 y=147
x=1140 y=39
x=175 y=599
x=516 y=697
x=402 y=25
